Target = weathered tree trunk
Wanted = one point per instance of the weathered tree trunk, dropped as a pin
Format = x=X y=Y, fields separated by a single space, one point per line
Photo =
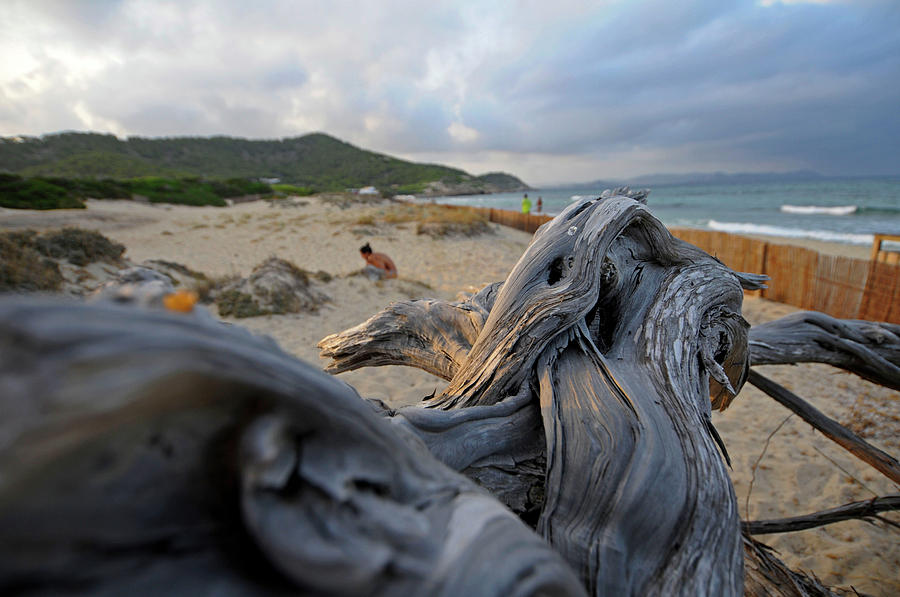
x=620 y=333
x=149 y=453
x=429 y=334
x=767 y=576
x=867 y=348
x=143 y=452
x=576 y=325
x=865 y=510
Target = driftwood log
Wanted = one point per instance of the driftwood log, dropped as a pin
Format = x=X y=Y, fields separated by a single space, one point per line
x=145 y=452
x=599 y=301
x=620 y=335
x=867 y=348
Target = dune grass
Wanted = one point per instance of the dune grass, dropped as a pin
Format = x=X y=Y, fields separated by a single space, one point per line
x=28 y=259
x=434 y=220
x=19 y=192
x=23 y=267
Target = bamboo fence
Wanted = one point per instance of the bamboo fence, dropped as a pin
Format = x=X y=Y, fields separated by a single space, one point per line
x=842 y=287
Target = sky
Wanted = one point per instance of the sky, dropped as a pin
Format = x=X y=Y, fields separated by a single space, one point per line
x=552 y=92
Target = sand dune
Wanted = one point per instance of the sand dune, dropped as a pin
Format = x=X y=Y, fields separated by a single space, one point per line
x=800 y=471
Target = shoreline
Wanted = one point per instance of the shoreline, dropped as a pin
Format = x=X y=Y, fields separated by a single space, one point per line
x=820 y=246
x=99 y=216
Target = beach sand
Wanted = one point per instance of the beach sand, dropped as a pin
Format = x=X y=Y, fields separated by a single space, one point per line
x=795 y=471
x=839 y=249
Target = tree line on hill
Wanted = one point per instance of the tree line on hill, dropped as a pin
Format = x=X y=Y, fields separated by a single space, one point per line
x=41 y=192
x=316 y=161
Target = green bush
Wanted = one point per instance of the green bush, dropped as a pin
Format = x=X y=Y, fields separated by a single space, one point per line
x=239 y=187
x=34 y=193
x=409 y=189
x=171 y=190
x=289 y=189
x=84 y=188
x=57 y=192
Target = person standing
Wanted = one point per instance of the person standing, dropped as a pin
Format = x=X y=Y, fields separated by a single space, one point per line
x=526 y=204
x=540 y=205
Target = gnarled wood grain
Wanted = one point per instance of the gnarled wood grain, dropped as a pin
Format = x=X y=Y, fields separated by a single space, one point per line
x=865 y=510
x=869 y=349
x=622 y=334
x=143 y=452
x=567 y=303
x=149 y=453
x=429 y=334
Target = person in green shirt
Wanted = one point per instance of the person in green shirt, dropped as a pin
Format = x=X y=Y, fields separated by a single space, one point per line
x=526 y=204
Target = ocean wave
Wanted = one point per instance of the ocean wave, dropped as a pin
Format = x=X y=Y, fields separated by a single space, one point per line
x=823 y=235
x=880 y=209
x=836 y=210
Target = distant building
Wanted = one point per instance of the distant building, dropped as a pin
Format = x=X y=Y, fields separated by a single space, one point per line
x=367 y=191
x=270 y=180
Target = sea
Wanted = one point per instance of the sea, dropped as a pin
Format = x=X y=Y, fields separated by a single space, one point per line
x=833 y=210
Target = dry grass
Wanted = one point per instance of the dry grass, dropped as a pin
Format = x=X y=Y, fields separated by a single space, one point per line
x=206 y=287
x=434 y=220
x=367 y=220
x=873 y=417
x=22 y=267
x=28 y=260
x=345 y=200
x=79 y=247
x=275 y=287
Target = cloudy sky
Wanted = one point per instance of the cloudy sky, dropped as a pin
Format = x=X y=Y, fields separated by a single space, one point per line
x=550 y=91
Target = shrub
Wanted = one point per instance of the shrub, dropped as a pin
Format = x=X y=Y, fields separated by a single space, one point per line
x=433 y=220
x=274 y=287
x=171 y=190
x=441 y=229
x=34 y=193
x=234 y=303
x=78 y=246
x=409 y=189
x=239 y=187
x=323 y=276
x=84 y=188
x=23 y=268
x=289 y=189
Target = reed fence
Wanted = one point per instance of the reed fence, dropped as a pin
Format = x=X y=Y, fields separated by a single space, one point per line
x=842 y=287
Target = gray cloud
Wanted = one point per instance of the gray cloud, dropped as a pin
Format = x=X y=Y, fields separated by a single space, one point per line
x=570 y=90
x=288 y=75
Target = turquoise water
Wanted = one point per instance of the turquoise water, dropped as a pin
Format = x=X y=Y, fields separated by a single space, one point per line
x=847 y=211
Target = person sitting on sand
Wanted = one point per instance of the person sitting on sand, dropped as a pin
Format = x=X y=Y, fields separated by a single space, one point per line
x=379 y=266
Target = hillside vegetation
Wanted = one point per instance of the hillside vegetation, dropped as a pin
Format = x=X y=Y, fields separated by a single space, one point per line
x=18 y=192
x=316 y=161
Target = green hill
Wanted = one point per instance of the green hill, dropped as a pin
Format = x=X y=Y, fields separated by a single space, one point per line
x=316 y=160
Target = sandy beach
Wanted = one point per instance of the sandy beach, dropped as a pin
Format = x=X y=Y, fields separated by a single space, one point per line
x=795 y=471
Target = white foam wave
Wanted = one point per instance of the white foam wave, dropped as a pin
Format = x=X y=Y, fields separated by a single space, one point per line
x=835 y=210
x=823 y=235
x=576 y=197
